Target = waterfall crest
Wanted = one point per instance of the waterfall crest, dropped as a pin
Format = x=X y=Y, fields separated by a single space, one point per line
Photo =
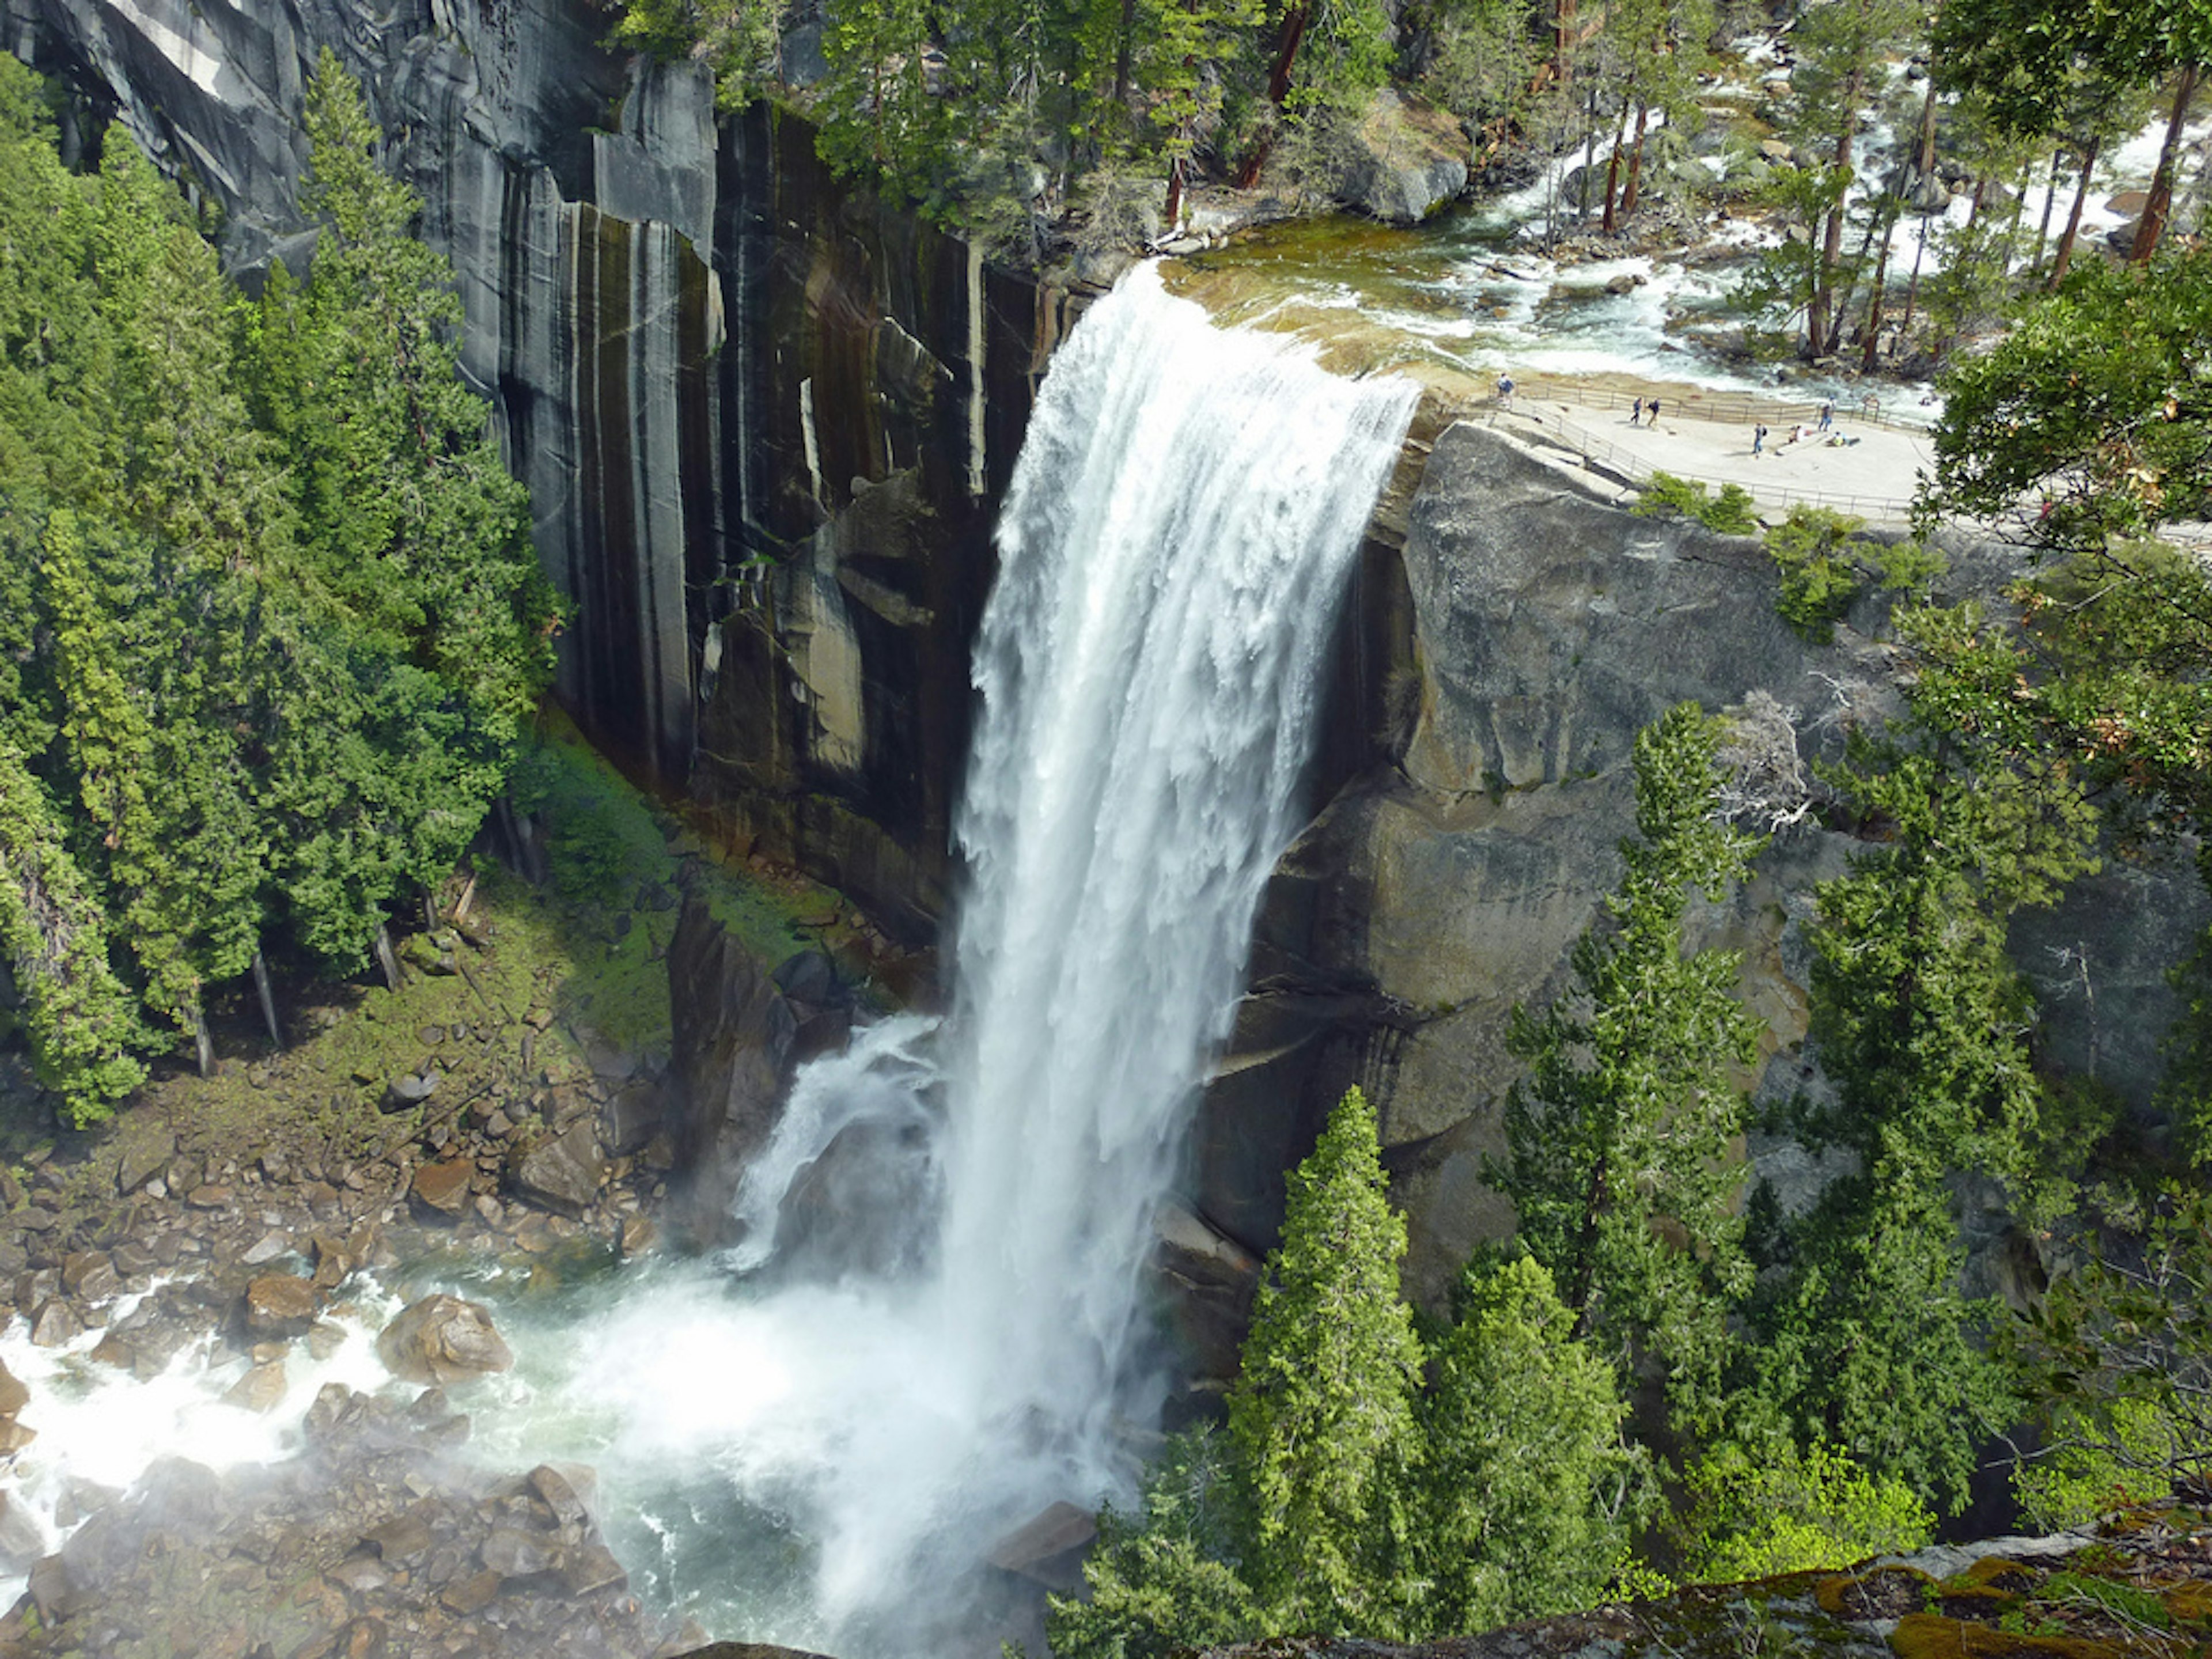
x=1183 y=517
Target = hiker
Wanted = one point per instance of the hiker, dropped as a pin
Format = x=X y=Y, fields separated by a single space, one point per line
x=1827 y=414
x=1636 y=414
x=1652 y=407
x=1506 y=391
x=1758 y=440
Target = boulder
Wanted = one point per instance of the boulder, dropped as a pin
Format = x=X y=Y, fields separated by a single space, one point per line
x=261 y=1389
x=1048 y=1548
x=864 y=1205
x=55 y=1323
x=1207 y=1281
x=562 y=1173
x=1407 y=158
x=146 y=1150
x=631 y=1117
x=443 y=1187
x=440 y=1338
x=280 y=1306
x=21 y=1539
x=590 y=1568
x=408 y=1089
x=15 y=1395
x=734 y=1036
x=568 y=1490
x=514 y=1553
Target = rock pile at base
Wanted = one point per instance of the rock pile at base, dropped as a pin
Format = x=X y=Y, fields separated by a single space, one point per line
x=375 y=1541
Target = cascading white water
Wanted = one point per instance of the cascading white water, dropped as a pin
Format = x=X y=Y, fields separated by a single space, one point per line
x=924 y=1338
x=1183 y=515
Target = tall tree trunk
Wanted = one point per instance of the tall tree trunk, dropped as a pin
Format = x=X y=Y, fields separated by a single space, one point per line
x=1288 y=38
x=1612 y=167
x=268 y=1000
x=1563 y=31
x=1818 y=325
x=2012 y=225
x=2152 y=225
x=1124 y=48
x=1635 y=160
x=1878 y=227
x=1874 y=298
x=2065 y=254
x=386 y=958
x=1912 y=286
x=1589 y=156
x=2050 y=200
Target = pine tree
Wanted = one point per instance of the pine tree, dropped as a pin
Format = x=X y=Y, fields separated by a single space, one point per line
x=83 y=1023
x=1322 y=1415
x=1619 y=1161
x=411 y=520
x=1923 y=1024
x=157 y=765
x=1527 y=1486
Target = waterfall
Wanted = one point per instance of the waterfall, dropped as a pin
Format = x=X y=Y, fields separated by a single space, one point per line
x=1183 y=517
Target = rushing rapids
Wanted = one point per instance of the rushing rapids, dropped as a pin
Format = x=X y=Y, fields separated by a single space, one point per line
x=1178 y=531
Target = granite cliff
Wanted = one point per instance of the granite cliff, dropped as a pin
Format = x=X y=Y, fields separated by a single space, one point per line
x=763 y=418
x=765 y=421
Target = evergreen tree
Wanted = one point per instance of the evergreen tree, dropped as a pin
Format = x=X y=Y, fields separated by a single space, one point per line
x=83 y=1023
x=1527 y=1487
x=1618 y=1160
x=410 y=519
x=1167 y=1579
x=165 y=793
x=1923 y=1024
x=1322 y=1415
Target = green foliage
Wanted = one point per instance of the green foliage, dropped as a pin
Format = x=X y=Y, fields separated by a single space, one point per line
x=1780 y=293
x=1618 y=1136
x=1323 y=1410
x=1527 y=1488
x=2091 y=422
x=2074 y=1481
x=1666 y=496
x=741 y=41
x=1165 y=1580
x=1350 y=1497
x=1825 y=569
x=1344 y=57
x=412 y=521
x=1763 y=1511
x=1923 y=1025
x=1818 y=584
x=1481 y=66
x=2117 y=1360
x=269 y=625
x=83 y=1023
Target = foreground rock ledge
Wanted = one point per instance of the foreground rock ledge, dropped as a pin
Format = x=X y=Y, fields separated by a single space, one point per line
x=2093 y=1595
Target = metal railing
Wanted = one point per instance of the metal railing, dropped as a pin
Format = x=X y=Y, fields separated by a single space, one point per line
x=1636 y=471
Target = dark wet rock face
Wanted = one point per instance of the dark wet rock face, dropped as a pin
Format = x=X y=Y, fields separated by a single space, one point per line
x=764 y=419
x=740 y=1026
